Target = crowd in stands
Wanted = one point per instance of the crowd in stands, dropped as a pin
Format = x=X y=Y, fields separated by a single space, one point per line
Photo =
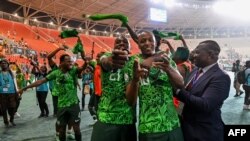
x=180 y=92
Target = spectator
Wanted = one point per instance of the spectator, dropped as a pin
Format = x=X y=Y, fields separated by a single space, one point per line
x=97 y=80
x=237 y=85
x=42 y=90
x=8 y=93
x=246 y=87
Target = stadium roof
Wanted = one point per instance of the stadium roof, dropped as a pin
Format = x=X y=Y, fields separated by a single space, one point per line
x=189 y=13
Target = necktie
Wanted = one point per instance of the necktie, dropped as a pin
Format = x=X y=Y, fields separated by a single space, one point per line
x=199 y=72
x=194 y=79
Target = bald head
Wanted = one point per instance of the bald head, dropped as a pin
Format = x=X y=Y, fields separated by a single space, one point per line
x=206 y=53
x=212 y=46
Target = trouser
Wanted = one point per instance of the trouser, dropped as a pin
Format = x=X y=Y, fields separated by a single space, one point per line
x=91 y=105
x=237 y=86
x=97 y=99
x=8 y=104
x=55 y=103
x=113 y=132
x=69 y=115
x=247 y=94
x=1 y=113
x=83 y=96
x=41 y=97
x=17 y=104
x=174 y=135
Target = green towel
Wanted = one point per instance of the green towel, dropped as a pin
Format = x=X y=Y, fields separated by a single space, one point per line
x=159 y=34
x=78 y=47
x=177 y=37
x=98 y=17
x=68 y=33
x=166 y=35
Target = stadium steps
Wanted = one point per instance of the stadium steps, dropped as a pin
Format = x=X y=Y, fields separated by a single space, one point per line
x=107 y=40
x=97 y=48
x=102 y=43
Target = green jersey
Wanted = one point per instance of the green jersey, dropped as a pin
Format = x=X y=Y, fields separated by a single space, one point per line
x=113 y=106
x=53 y=85
x=65 y=84
x=156 y=109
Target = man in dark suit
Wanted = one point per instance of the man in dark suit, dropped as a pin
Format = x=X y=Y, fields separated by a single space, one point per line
x=206 y=89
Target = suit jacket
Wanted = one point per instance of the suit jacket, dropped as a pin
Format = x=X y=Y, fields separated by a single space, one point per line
x=201 y=117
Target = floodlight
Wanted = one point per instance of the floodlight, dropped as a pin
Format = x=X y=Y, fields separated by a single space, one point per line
x=236 y=9
x=159 y=15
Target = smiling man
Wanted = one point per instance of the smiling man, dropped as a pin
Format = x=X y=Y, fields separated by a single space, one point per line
x=154 y=77
x=68 y=103
x=116 y=118
x=206 y=89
